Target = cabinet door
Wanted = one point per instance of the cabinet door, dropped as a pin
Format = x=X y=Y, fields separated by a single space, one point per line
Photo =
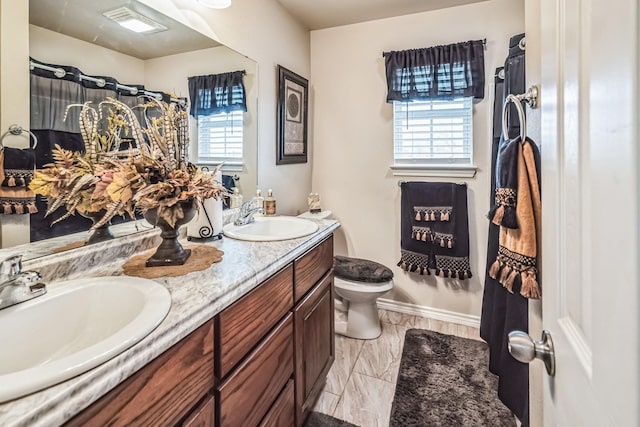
x=314 y=345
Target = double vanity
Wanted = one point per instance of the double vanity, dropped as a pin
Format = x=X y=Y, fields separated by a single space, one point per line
x=246 y=342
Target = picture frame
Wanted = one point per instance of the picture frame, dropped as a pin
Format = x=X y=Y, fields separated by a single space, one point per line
x=291 y=138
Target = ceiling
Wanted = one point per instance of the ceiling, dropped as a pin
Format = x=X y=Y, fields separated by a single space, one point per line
x=319 y=14
x=83 y=20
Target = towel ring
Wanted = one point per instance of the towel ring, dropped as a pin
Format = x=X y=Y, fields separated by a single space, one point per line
x=521 y=117
x=531 y=98
x=18 y=130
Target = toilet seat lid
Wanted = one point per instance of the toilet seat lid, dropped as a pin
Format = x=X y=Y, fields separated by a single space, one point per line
x=361 y=270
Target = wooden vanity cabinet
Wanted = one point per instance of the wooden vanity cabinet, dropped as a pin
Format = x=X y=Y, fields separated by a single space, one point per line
x=262 y=361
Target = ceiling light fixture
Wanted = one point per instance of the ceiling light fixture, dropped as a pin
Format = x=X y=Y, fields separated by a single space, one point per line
x=134 y=21
x=216 y=4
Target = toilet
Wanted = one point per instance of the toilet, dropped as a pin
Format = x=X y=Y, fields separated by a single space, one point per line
x=359 y=283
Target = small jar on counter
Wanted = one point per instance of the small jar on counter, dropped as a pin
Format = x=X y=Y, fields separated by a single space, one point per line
x=270 y=204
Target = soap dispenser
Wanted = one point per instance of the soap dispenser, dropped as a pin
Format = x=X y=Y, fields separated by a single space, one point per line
x=236 y=198
x=270 y=204
x=259 y=200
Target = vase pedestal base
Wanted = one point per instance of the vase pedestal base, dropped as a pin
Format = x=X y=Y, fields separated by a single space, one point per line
x=101 y=234
x=170 y=251
x=158 y=260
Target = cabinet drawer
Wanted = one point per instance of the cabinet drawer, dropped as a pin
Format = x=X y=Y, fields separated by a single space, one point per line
x=282 y=412
x=242 y=325
x=246 y=396
x=163 y=391
x=203 y=416
x=310 y=267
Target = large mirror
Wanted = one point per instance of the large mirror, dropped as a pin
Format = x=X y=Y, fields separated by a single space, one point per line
x=77 y=33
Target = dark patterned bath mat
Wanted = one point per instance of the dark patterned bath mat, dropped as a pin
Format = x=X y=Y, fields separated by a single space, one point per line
x=444 y=381
x=317 y=419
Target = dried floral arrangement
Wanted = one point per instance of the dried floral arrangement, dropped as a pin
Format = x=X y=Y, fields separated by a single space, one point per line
x=155 y=174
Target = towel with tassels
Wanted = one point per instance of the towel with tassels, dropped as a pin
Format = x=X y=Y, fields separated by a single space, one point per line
x=434 y=229
x=515 y=266
x=503 y=212
x=18 y=165
x=16 y=172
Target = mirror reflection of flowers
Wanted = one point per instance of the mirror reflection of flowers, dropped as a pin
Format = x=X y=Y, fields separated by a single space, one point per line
x=152 y=173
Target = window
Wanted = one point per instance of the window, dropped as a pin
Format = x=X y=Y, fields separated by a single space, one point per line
x=220 y=138
x=433 y=133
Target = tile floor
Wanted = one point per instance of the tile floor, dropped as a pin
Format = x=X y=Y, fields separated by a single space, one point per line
x=361 y=382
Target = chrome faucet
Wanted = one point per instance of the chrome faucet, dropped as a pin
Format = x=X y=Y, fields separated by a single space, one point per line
x=17 y=286
x=247 y=212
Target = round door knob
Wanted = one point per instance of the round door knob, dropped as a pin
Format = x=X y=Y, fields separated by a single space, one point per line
x=524 y=349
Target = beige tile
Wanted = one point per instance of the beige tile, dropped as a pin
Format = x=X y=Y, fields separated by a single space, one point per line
x=366 y=401
x=469 y=332
x=326 y=403
x=340 y=322
x=347 y=351
x=380 y=358
x=396 y=318
x=447 y=328
x=422 y=323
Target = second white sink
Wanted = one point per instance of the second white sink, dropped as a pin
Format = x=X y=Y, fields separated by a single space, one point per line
x=76 y=326
x=271 y=228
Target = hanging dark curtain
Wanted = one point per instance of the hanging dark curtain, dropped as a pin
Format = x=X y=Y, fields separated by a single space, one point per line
x=49 y=96
x=217 y=93
x=502 y=311
x=440 y=72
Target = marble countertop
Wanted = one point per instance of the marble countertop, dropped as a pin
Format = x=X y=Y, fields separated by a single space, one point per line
x=196 y=298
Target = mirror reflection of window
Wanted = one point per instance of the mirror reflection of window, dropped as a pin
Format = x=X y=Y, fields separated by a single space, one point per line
x=218 y=103
x=220 y=138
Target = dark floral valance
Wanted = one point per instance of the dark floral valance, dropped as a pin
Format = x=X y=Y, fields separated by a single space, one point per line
x=440 y=72
x=217 y=93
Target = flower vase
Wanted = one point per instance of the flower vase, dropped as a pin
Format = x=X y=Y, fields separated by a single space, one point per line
x=102 y=233
x=170 y=251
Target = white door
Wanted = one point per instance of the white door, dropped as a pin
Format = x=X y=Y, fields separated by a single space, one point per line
x=590 y=183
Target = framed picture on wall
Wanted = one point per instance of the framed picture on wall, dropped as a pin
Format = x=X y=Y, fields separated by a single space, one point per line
x=292 y=117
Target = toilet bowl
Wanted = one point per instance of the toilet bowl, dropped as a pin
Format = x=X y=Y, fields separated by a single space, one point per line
x=358 y=284
x=359 y=302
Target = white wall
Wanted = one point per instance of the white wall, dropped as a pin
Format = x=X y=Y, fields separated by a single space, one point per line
x=171 y=73
x=264 y=31
x=353 y=138
x=55 y=48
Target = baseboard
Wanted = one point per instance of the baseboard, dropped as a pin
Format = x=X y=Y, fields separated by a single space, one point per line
x=429 y=312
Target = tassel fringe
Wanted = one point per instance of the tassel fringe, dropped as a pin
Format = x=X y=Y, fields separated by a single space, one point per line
x=504 y=273
x=504 y=216
x=495 y=268
x=497 y=217
x=510 y=280
x=530 y=287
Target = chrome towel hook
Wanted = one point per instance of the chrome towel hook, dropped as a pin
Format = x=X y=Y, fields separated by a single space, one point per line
x=18 y=130
x=531 y=98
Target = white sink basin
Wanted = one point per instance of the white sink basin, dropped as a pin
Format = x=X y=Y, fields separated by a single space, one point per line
x=76 y=326
x=270 y=228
